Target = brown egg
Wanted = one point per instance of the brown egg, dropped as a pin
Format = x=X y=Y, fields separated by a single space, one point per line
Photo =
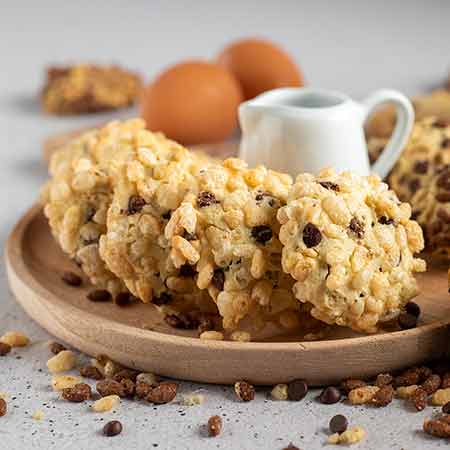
x=260 y=66
x=193 y=102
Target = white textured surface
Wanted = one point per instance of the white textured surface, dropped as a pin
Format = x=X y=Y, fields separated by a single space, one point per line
x=355 y=47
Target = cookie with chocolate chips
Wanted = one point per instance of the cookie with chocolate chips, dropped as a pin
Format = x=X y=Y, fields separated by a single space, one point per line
x=350 y=249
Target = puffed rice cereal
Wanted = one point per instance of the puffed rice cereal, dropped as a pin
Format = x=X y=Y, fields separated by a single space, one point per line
x=350 y=244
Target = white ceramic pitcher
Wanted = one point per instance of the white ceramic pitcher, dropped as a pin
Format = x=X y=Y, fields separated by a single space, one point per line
x=298 y=130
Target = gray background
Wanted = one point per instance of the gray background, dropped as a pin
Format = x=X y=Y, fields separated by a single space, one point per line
x=354 y=46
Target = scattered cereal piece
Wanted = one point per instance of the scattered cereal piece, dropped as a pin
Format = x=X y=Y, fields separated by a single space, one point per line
x=383 y=396
x=112 y=428
x=3 y=407
x=441 y=397
x=352 y=383
x=240 y=336
x=383 y=379
x=244 y=391
x=125 y=374
x=38 y=415
x=107 y=403
x=165 y=392
x=112 y=387
x=420 y=398
x=406 y=391
x=110 y=368
x=362 y=395
x=212 y=336
x=408 y=377
x=15 y=339
x=61 y=382
x=56 y=347
x=4 y=348
x=148 y=378
x=280 y=392
x=350 y=436
x=439 y=427
x=214 y=426
x=193 y=399
x=62 y=362
x=91 y=372
x=431 y=384
x=79 y=393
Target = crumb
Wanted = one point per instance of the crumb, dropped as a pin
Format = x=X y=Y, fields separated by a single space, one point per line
x=107 y=403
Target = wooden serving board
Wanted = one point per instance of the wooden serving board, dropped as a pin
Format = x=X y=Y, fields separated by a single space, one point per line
x=136 y=335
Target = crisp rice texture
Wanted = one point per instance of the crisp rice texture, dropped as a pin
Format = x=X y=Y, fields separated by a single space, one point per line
x=350 y=245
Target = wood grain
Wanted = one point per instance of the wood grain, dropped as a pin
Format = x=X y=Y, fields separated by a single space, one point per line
x=137 y=337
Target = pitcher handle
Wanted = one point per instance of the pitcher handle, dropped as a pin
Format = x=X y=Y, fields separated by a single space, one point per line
x=402 y=130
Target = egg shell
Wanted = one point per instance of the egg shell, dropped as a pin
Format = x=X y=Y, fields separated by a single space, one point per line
x=193 y=102
x=259 y=65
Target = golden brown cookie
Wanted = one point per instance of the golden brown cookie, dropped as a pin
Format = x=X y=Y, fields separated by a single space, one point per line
x=88 y=88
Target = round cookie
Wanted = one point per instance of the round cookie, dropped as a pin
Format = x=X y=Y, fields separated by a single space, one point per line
x=231 y=224
x=148 y=186
x=350 y=245
x=77 y=197
x=427 y=150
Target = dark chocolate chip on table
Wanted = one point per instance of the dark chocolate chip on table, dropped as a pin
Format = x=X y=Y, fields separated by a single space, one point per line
x=330 y=395
x=71 y=279
x=112 y=428
x=297 y=390
x=99 y=295
x=338 y=423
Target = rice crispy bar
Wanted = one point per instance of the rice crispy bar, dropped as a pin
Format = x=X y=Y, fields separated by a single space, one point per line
x=77 y=197
x=350 y=245
x=87 y=88
x=228 y=235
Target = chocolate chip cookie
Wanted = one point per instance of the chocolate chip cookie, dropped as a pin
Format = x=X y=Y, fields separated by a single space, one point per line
x=350 y=244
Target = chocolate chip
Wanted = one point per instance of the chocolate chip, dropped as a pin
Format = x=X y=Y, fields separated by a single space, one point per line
x=3 y=407
x=218 y=279
x=311 y=235
x=205 y=199
x=244 y=391
x=385 y=221
x=71 y=279
x=162 y=299
x=330 y=395
x=443 y=180
x=99 y=295
x=56 y=347
x=329 y=185
x=338 y=423
x=445 y=143
x=297 y=390
x=443 y=197
x=4 y=349
x=182 y=321
x=414 y=185
x=214 y=426
x=357 y=227
x=421 y=167
x=262 y=234
x=187 y=271
x=123 y=299
x=167 y=215
x=446 y=408
x=189 y=236
x=413 y=308
x=112 y=428
x=135 y=204
x=407 y=321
